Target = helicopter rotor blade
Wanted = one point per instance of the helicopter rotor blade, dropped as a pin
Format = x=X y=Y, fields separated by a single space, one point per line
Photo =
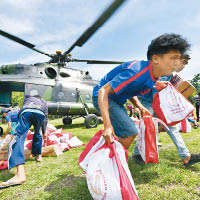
x=97 y=61
x=22 y=42
x=96 y=25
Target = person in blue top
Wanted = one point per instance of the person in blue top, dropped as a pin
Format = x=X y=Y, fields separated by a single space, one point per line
x=34 y=112
x=11 y=117
x=132 y=79
x=147 y=100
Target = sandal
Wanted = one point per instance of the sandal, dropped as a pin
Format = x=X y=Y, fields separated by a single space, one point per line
x=195 y=158
x=8 y=184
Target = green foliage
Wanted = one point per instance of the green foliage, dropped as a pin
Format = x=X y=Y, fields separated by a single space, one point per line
x=61 y=177
x=196 y=82
x=17 y=97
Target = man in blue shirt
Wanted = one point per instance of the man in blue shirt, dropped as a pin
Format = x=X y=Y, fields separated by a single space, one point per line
x=132 y=79
x=34 y=112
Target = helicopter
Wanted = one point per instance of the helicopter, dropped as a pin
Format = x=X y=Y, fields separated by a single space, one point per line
x=67 y=91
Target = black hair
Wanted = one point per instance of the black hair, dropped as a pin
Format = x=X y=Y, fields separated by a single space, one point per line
x=167 y=42
x=185 y=56
x=15 y=104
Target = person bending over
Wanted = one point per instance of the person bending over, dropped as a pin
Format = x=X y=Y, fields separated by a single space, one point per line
x=34 y=112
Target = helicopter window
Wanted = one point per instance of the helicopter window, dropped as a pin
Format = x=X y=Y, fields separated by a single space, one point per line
x=87 y=97
x=41 y=72
x=64 y=75
x=50 y=72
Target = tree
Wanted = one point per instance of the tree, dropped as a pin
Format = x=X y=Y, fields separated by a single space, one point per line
x=196 y=82
x=17 y=97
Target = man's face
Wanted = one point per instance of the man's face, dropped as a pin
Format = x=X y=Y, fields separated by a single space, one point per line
x=168 y=63
x=4 y=114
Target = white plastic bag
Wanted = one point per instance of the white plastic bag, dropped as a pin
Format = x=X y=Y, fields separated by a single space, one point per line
x=171 y=106
x=147 y=139
x=107 y=172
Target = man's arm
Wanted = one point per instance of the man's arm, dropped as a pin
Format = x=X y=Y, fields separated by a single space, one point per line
x=104 y=106
x=8 y=128
x=135 y=101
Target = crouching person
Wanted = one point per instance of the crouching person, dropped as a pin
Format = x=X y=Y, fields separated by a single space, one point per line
x=34 y=112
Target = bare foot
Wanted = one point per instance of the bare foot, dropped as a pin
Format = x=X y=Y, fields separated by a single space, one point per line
x=17 y=179
x=186 y=160
x=38 y=158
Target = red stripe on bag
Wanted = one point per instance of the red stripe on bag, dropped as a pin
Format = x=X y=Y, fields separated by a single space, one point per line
x=151 y=150
x=184 y=125
x=89 y=146
x=127 y=190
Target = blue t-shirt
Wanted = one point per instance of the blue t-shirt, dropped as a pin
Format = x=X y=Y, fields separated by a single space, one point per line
x=12 y=116
x=148 y=97
x=127 y=80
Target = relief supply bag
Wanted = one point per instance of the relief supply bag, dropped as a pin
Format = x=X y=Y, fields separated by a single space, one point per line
x=147 y=139
x=107 y=173
x=171 y=106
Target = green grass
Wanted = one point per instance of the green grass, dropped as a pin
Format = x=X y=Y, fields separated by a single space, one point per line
x=61 y=177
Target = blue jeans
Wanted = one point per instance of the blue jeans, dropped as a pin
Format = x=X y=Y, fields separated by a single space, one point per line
x=122 y=124
x=173 y=132
x=16 y=151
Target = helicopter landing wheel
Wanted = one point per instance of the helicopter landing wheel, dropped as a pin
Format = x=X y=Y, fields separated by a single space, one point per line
x=1 y=131
x=91 y=121
x=67 y=120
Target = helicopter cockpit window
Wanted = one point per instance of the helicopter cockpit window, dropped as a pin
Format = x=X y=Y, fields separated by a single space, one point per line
x=50 y=72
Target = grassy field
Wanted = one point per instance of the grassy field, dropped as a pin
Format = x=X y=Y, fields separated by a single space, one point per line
x=61 y=178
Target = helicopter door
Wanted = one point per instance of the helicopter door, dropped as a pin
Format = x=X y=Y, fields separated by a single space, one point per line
x=6 y=89
x=5 y=98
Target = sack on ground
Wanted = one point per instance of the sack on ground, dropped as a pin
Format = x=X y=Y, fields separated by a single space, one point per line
x=52 y=150
x=4 y=146
x=171 y=106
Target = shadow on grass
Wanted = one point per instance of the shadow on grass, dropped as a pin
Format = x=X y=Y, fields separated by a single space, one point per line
x=174 y=161
x=5 y=175
x=81 y=125
x=69 y=187
x=142 y=174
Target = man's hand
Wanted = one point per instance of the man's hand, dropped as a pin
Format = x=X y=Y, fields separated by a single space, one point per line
x=161 y=84
x=145 y=112
x=108 y=135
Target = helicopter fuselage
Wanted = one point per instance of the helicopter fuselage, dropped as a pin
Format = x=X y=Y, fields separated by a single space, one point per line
x=62 y=88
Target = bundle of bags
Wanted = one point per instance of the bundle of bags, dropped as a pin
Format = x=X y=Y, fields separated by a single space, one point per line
x=55 y=142
x=107 y=172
